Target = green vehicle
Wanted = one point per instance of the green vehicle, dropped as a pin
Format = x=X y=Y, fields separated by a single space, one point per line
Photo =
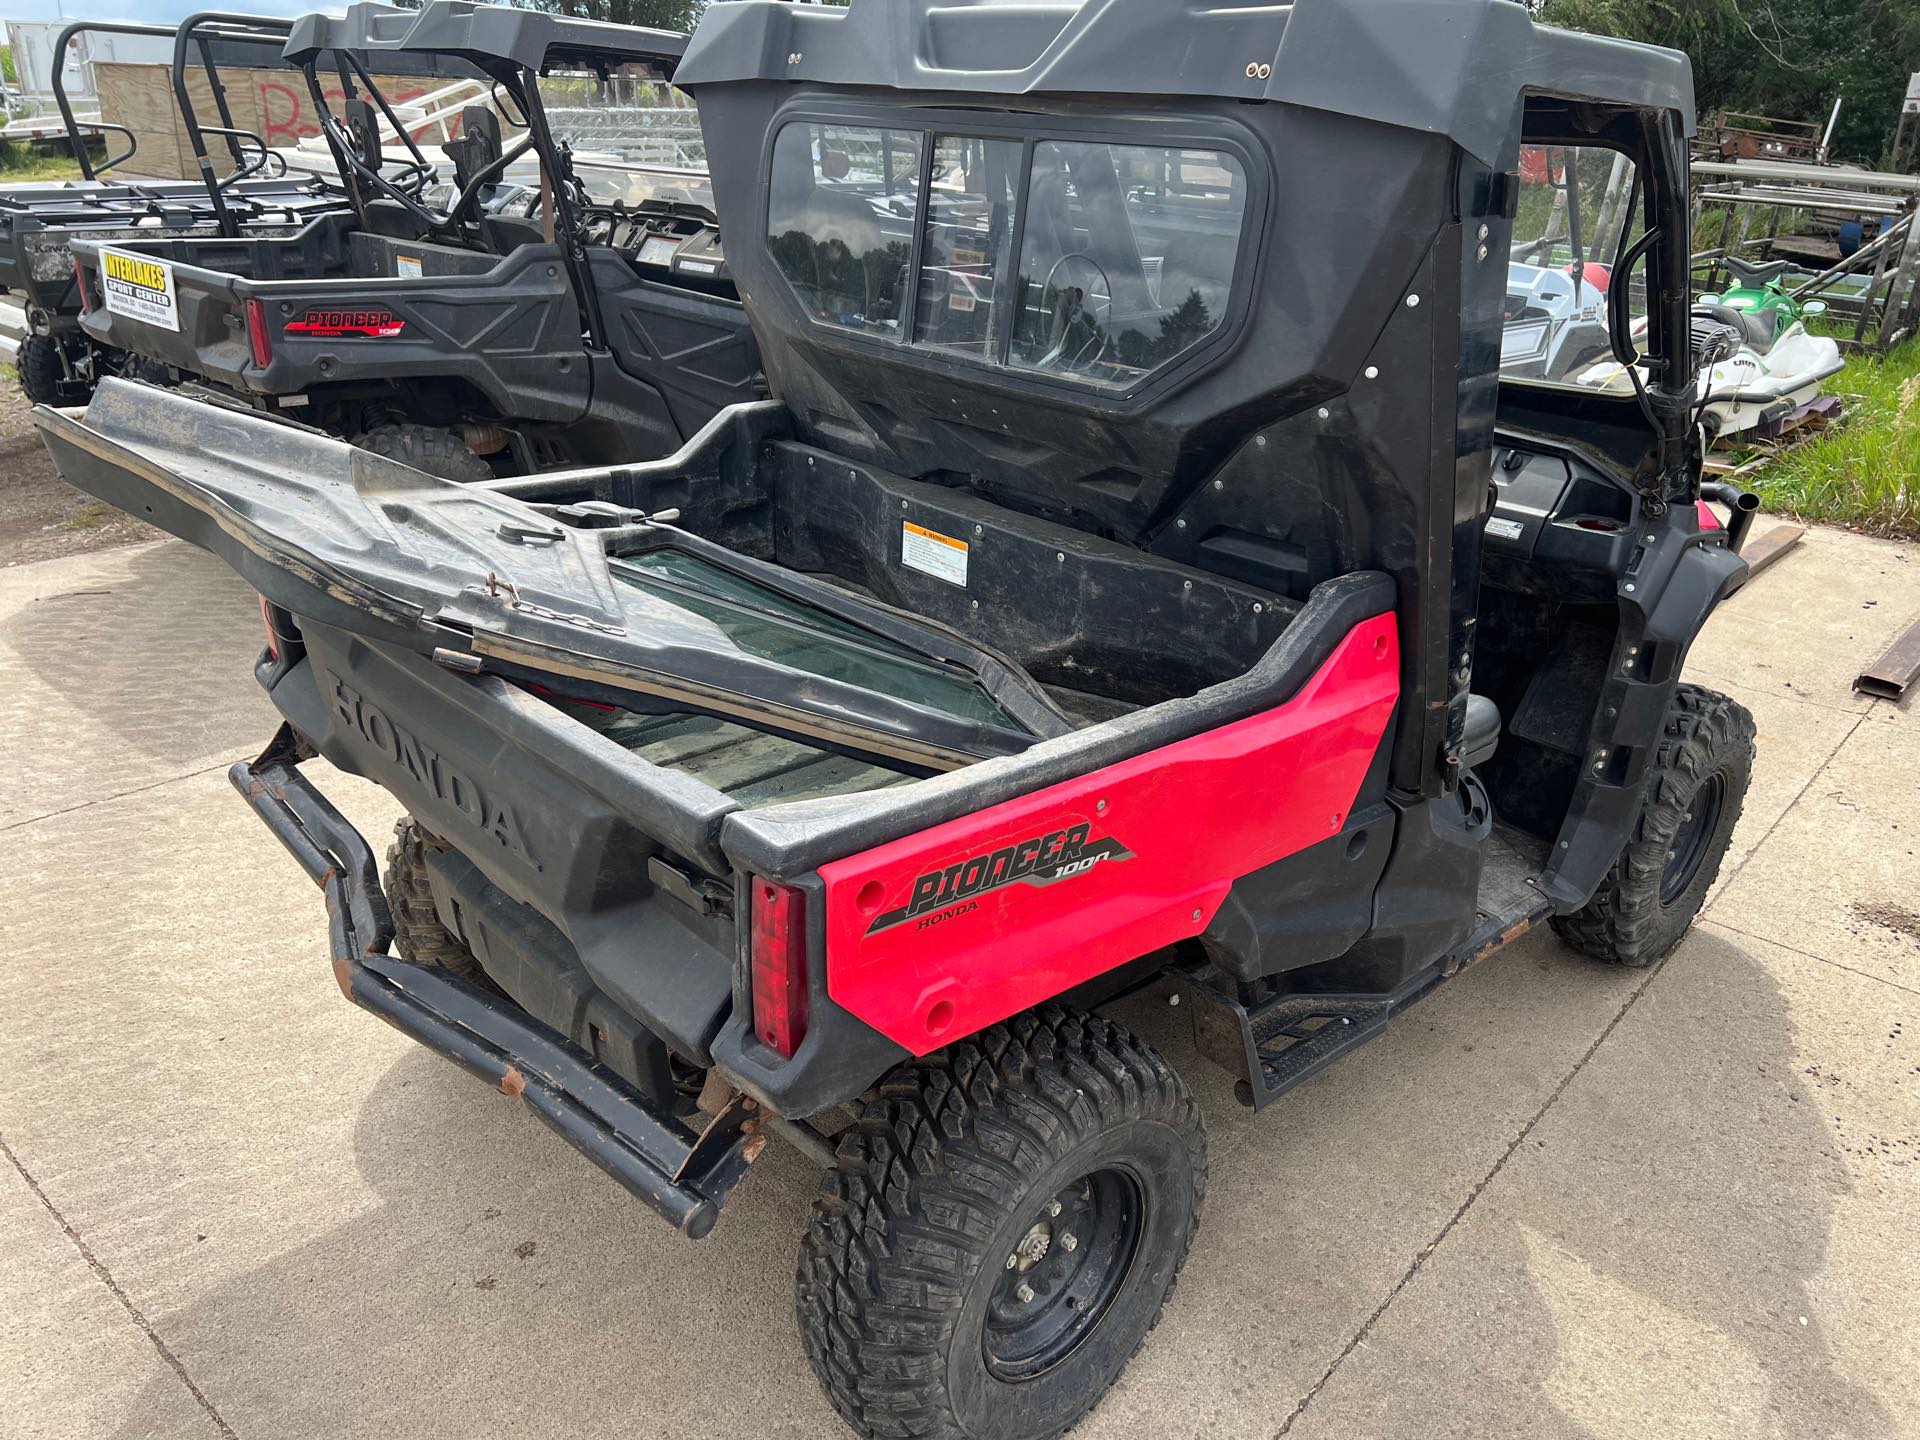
x=1762 y=291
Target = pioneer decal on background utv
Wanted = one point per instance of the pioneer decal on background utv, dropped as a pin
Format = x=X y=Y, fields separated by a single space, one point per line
x=1038 y=860
x=332 y=322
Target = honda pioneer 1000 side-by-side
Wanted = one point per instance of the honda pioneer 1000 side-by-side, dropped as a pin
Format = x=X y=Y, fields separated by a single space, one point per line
x=1145 y=576
x=58 y=362
x=510 y=327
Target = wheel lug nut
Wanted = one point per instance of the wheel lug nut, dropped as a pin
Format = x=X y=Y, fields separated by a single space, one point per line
x=1053 y=1207
x=1013 y=1260
x=1069 y=1242
x=1025 y=1292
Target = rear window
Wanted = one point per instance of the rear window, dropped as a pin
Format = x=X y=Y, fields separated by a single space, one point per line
x=840 y=217
x=969 y=242
x=1128 y=257
x=1092 y=261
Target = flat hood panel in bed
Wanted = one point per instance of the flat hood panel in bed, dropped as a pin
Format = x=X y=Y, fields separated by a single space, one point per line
x=337 y=534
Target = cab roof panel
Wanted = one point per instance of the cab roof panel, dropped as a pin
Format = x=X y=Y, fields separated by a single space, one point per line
x=1451 y=67
x=527 y=39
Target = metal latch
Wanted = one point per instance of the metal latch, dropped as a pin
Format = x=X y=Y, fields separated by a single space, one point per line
x=697 y=892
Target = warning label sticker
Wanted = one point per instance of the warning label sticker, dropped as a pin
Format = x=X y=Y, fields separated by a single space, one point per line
x=139 y=287
x=932 y=553
x=408 y=267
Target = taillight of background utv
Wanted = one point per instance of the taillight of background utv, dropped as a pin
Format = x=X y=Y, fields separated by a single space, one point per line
x=779 y=948
x=80 y=284
x=258 y=341
x=273 y=635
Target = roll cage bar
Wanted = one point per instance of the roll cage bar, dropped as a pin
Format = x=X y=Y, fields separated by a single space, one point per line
x=512 y=48
x=200 y=30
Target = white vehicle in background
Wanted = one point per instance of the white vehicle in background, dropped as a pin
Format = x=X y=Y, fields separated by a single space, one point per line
x=1556 y=325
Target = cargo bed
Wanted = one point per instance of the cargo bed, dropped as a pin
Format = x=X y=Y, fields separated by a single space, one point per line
x=620 y=694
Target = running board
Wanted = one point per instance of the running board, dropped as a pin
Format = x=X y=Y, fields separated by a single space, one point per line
x=1281 y=1042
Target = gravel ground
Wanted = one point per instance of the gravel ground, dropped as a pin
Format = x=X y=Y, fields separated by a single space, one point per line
x=41 y=516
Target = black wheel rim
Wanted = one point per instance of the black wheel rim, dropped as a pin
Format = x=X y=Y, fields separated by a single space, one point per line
x=1690 y=841
x=1060 y=1279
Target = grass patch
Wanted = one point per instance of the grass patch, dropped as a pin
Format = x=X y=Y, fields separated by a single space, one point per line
x=24 y=161
x=90 y=516
x=1865 y=473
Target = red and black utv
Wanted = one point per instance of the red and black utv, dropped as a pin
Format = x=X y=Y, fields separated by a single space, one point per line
x=508 y=327
x=1145 y=576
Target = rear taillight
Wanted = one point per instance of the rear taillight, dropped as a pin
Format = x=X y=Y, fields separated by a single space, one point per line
x=80 y=284
x=258 y=341
x=779 y=965
x=283 y=634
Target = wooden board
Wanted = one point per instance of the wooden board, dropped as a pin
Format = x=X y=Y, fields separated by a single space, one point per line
x=273 y=103
x=1770 y=547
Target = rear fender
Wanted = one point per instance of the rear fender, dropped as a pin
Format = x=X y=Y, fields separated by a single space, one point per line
x=939 y=908
x=1670 y=587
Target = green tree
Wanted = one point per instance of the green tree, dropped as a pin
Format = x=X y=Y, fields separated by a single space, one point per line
x=680 y=15
x=1786 y=58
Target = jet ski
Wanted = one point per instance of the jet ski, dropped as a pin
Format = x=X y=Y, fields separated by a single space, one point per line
x=1756 y=359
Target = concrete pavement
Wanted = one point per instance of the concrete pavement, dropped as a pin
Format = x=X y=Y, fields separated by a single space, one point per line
x=1554 y=1200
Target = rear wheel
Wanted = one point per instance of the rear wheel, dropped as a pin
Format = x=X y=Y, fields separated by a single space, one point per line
x=43 y=373
x=426 y=448
x=418 y=936
x=1692 y=801
x=1004 y=1224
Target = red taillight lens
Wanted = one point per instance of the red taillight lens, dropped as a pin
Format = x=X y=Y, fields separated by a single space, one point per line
x=258 y=341
x=283 y=634
x=273 y=636
x=779 y=965
x=80 y=284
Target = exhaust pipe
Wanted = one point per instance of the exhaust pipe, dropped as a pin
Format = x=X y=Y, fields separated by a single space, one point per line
x=1742 y=506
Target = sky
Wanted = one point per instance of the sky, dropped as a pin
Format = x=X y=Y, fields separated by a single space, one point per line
x=152 y=12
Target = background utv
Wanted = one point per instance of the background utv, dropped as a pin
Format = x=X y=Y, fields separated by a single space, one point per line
x=497 y=327
x=1137 y=582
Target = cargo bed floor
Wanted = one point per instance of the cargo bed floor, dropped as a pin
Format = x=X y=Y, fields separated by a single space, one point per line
x=752 y=768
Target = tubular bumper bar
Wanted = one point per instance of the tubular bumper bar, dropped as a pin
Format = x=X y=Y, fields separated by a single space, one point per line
x=684 y=1176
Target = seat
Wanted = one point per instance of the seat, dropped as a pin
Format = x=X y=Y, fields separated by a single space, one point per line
x=477 y=147
x=1754 y=326
x=1756 y=272
x=1482 y=732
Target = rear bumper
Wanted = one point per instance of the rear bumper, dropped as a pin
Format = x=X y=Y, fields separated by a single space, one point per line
x=684 y=1176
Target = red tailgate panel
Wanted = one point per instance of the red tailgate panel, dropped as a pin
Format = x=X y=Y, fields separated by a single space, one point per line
x=942 y=933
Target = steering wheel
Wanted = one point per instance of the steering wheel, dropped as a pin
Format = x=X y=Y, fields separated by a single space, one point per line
x=1070 y=313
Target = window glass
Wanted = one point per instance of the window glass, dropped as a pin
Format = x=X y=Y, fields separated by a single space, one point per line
x=840 y=214
x=757 y=621
x=970 y=212
x=1127 y=257
x=1574 y=203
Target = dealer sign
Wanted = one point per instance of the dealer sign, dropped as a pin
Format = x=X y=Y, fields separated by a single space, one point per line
x=140 y=287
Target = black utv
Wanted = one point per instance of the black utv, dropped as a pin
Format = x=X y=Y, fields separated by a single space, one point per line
x=514 y=326
x=58 y=362
x=1146 y=577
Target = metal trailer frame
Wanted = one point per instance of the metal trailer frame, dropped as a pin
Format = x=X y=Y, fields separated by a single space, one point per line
x=1888 y=302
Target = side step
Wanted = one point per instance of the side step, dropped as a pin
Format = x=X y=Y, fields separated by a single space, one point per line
x=1281 y=1042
